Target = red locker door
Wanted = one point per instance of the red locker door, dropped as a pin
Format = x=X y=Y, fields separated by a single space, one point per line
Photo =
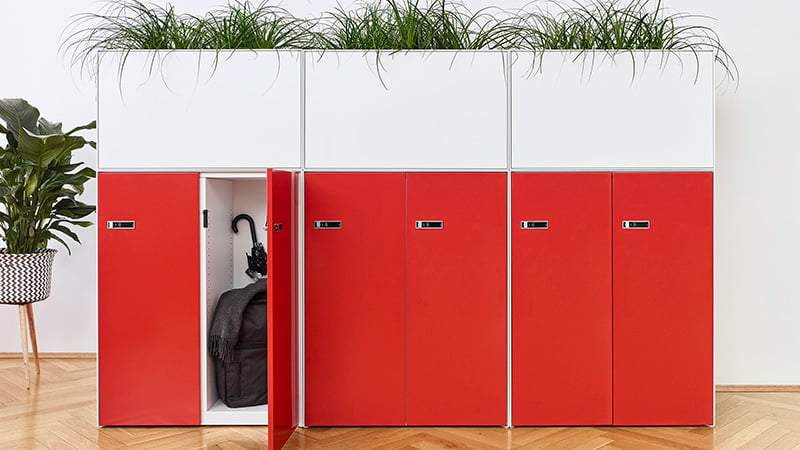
x=663 y=299
x=148 y=299
x=561 y=298
x=457 y=299
x=282 y=401
x=355 y=299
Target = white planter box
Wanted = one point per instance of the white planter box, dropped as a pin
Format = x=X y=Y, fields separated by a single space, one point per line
x=598 y=112
x=187 y=110
x=406 y=110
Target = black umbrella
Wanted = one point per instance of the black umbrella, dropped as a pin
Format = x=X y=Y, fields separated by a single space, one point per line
x=257 y=259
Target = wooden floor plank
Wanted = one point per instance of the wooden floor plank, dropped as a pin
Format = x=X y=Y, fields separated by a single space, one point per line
x=747 y=434
x=787 y=442
x=646 y=438
x=60 y=412
x=766 y=439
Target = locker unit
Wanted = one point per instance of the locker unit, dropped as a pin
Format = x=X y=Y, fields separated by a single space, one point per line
x=456 y=297
x=153 y=257
x=386 y=267
x=223 y=196
x=561 y=298
x=411 y=250
x=272 y=202
x=615 y=286
x=148 y=316
x=663 y=299
x=355 y=299
x=402 y=292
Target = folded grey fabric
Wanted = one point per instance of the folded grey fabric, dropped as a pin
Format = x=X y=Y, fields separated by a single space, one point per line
x=227 y=320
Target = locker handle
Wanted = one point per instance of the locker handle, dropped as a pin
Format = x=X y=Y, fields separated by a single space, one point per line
x=535 y=224
x=121 y=225
x=327 y=224
x=635 y=224
x=429 y=224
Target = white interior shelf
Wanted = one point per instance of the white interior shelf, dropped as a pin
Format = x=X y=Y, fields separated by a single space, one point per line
x=219 y=414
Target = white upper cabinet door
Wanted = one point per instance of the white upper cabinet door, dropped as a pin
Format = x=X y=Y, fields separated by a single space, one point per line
x=406 y=110
x=185 y=110
x=632 y=110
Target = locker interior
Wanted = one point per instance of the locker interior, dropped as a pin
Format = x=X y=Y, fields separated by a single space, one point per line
x=223 y=264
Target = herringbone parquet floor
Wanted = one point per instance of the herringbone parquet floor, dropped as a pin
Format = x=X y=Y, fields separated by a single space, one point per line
x=60 y=412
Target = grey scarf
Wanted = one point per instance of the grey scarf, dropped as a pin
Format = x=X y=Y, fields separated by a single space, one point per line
x=227 y=321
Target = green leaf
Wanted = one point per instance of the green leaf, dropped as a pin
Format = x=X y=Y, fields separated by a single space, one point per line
x=67 y=167
x=74 y=142
x=65 y=203
x=46 y=127
x=77 y=212
x=41 y=150
x=18 y=114
x=81 y=223
x=89 y=126
x=8 y=190
x=87 y=172
x=57 y=238
x=31 y=184
x=72 y=209
x=66 y=231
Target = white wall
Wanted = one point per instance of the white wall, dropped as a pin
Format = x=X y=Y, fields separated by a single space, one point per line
x=757 y=206
x=33 y=70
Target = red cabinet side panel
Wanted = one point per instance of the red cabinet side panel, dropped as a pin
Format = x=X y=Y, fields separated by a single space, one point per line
x=281 y=307
x=148 y=300
x=355 y=299
x=663 y=299
x=457 y=278
x=561 y=299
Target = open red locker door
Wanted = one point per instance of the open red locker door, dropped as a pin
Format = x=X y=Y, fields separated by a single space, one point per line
x=281 y=306
x=148 y=286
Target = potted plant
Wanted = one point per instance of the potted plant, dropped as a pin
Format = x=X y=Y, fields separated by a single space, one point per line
x=39 y=186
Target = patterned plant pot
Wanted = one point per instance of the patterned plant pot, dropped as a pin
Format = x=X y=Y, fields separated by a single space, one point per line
x=25 y=278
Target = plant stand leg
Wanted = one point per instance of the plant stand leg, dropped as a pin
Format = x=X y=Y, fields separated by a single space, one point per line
x=23 y=328
x=32 y=329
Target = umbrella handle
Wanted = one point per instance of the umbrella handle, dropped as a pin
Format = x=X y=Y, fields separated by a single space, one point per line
x=250 y=221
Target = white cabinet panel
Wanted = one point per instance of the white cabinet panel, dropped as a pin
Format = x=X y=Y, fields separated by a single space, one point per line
x=630 y=110
x=199 y=110
x=408 y=110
